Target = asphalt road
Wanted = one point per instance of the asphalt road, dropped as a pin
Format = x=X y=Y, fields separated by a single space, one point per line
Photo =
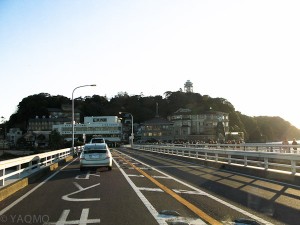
x=264 y=200
x=162 y=191
x=89 y=197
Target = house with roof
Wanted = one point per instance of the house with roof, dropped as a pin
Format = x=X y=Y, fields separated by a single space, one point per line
x=210 y=125
x=183 y=125
x=157 y=129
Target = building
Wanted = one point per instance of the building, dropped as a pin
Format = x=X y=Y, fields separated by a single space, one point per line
x=183 y=125
x=210 y=125
x=39 y=128
x=65 y=112
x=13 y=135
x=44 y=123
x=157 y=130
x=56 y=116
x=188 y=86
x=108 y=127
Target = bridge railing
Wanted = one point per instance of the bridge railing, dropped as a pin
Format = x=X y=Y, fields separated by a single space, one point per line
x=23 y=166
x=264 y=156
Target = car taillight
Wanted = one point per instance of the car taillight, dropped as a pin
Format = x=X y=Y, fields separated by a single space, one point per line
x=107 y=155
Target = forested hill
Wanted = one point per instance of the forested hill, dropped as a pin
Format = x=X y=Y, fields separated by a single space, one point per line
x=262 y=128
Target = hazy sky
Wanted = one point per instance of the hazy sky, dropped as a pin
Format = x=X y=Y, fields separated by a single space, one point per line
x=247 y=52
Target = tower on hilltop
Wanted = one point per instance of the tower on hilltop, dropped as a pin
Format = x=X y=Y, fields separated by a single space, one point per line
x=188 y=86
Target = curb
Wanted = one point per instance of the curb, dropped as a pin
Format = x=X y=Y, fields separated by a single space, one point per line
x=22 y=183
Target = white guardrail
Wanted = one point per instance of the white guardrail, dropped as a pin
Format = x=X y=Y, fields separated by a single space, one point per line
x=17 y=168
x=265 y=156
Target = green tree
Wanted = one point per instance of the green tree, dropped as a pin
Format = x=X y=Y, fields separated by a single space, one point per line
x=41 y=137
x=144 y=108
x=56 y=141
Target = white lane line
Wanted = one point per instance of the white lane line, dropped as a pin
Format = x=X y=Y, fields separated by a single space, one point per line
x=161 y=177
x=32 y=190
x=150 y=189
x=208 y=195
x=157 y=177
x=135 y=175
x=190 y=192
x=145 y=201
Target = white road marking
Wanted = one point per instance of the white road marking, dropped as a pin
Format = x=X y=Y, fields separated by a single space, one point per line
x=175 y=190
x=82 y=221
x=150 y=189
x=63 y=217
x=258 y=219
x=190 y=192
x=32 y=190
x=134 y=175
x=178 y=219
x=87 y=176
x=84 y=216
x=152 y=210
x=145 y=168
x=161 y=177
x=81 y=189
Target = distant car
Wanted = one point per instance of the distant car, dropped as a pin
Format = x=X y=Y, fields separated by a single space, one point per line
x=97 y=140
x=95 y=155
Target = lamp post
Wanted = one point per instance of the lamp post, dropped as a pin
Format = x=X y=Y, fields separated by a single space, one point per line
x=73 y=120
x=131 y=140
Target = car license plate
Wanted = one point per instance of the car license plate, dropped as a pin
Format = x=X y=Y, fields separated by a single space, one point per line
x=95 y=156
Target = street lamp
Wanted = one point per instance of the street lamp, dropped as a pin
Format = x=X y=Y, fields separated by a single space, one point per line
x=131 y=126
x=73 y=120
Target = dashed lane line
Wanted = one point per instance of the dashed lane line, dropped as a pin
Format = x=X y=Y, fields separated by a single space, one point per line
x=154 y=213
x=258 y=219
x=191 y=206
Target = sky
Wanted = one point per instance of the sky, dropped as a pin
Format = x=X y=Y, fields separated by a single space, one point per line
x=247 y=52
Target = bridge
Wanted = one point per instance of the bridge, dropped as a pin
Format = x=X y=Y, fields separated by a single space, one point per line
x=156 y=184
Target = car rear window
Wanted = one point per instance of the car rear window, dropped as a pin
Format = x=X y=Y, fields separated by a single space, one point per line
x=95 y=146
x=89 y=151
x=97 y=140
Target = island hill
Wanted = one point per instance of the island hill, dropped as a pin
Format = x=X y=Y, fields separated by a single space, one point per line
x=255 y=129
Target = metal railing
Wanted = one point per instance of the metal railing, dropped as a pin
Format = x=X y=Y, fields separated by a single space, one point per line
x=24 y=166
x=264 y=156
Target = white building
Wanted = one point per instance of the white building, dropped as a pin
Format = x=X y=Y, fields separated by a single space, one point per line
x=13 y=135
x=109 y=127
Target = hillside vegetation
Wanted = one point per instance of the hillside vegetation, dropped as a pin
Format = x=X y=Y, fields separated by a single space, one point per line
x=262 y=128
